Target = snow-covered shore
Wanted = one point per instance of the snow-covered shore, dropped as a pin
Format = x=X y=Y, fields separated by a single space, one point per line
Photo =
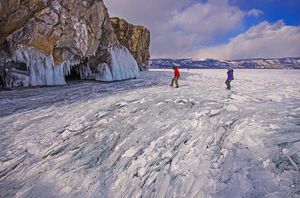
x=143 y=138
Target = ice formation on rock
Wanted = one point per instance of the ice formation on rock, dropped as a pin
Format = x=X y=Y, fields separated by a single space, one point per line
x=58 y=38
x=41 y=67
x=136 y=38
x=123 y=66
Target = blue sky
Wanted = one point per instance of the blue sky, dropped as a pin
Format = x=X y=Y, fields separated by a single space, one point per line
x=221 y=29
x=274 y=10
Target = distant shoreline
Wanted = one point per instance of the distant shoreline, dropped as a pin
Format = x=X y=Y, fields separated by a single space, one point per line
x=225 y=68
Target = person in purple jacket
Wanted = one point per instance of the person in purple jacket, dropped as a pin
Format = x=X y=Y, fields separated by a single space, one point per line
x=229 y=78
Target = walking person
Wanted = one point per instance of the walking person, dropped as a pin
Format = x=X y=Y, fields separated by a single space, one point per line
x=176 y=77
x=229 y=78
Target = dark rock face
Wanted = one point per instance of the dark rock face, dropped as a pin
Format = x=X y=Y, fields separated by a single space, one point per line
x=136 y=38
x=40 y=41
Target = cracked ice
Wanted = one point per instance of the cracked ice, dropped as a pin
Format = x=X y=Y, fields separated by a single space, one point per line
x=142 y=138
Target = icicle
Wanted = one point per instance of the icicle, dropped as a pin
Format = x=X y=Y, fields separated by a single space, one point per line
x=42 y=69
x=85 y=72
x=104 y=73
x=123 y=66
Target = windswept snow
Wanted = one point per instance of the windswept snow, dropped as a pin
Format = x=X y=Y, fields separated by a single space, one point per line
x=143 y=138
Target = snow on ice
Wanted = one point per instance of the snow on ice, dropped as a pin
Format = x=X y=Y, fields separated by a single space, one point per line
x=143 y=138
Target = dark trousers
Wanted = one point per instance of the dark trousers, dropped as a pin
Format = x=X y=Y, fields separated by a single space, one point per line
x=227 y=82
x=175 y=79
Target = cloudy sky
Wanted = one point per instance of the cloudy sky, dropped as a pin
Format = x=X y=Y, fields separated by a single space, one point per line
x=220 y=29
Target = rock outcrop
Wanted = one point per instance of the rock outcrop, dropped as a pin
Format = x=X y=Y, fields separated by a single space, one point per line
x=42 y=42
x=136 y=38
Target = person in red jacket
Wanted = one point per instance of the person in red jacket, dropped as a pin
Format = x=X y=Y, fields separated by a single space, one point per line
x=176 y=77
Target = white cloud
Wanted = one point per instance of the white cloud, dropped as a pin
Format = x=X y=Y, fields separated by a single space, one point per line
x=263 y=40
x=183 y=28
x=179 y=27
x=255 y=12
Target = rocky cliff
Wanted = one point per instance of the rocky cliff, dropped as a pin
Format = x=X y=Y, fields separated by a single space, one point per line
x=44 y=41
x=136 y=38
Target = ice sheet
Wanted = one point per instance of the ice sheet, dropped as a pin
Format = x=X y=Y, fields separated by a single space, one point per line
x=143 y=138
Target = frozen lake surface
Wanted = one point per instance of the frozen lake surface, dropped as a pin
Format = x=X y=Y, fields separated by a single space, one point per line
x=143 y=138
